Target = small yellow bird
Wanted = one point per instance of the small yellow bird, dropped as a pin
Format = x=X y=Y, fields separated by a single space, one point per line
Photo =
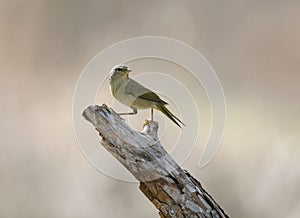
x=134 y=95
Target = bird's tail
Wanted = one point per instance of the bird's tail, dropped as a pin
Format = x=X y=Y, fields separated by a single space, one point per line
x=168 y=113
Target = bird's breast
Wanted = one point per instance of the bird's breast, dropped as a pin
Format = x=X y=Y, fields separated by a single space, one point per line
x=119 y=92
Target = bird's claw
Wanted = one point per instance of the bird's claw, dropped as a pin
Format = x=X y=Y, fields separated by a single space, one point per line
x=122 y=118
x=146 y=123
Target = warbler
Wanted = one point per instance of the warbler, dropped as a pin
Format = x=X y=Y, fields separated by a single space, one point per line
x=134 y=95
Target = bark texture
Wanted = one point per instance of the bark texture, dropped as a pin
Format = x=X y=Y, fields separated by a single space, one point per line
x=173 y=191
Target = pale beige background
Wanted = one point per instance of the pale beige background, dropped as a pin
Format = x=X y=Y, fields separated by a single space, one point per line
x=44 y=45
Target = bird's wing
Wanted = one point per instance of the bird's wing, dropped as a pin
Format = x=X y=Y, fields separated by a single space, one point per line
x=135 y=89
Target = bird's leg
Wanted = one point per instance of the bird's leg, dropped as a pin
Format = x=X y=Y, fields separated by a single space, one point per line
x=151 y=113
x=134 y=111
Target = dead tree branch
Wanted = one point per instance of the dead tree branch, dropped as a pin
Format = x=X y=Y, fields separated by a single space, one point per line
x=173 y=191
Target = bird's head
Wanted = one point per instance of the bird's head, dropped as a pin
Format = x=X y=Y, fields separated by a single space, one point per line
x=118 y=72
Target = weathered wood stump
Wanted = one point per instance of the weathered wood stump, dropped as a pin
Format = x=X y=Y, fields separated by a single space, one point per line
x=173 y=191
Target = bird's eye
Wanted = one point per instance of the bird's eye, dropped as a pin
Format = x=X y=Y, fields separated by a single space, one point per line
x=118 y=69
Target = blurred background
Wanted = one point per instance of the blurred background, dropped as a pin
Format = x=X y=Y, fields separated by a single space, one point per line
x=44 y=45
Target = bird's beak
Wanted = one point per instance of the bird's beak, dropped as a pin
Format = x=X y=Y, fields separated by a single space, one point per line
x=129 y=70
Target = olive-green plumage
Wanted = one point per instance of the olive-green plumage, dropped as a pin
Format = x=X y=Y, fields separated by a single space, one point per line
x=134 y=95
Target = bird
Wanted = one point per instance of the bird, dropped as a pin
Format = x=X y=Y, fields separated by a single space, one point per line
x=136 y=96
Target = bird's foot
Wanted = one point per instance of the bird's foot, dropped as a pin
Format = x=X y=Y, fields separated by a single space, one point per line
x=121 y=118
x=146 y=123
x=150 y=128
